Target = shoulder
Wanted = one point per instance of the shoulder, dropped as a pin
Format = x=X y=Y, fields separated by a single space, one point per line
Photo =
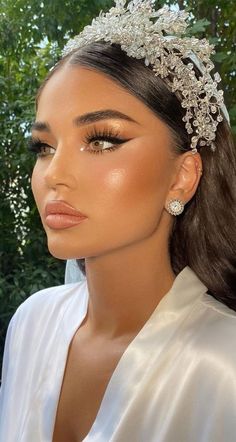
x=47 y=305
x=217 y=309
x=37 y=320
x=214 y=328
x=38 y=334
x=52 y=296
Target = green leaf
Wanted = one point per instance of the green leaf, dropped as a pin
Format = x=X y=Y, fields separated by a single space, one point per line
x=199 y=26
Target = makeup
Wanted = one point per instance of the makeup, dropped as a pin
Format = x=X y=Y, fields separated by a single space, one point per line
x=60 y=215
x=61 y=221
x=95 y=141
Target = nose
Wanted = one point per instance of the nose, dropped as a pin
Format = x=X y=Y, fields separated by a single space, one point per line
x=59 y=171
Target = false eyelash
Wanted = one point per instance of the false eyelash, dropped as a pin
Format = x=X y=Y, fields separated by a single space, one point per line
x=35 y=145
x=103 y=135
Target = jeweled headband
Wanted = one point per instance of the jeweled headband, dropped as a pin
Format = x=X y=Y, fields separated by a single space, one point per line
x=158 y=38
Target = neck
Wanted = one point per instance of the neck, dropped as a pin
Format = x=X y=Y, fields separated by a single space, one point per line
x=126 y=285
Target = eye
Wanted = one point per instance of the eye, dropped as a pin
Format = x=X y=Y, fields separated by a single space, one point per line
x=96 y=142
x=102 y=141
x=39 y=147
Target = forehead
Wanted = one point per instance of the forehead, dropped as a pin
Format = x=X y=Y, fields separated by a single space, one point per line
x=80 y=85
x=75 y=90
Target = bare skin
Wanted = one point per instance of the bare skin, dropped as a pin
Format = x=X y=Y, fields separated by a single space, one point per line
x=124 y=240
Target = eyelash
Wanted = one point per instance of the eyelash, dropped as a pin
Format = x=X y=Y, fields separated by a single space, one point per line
x=35 y=144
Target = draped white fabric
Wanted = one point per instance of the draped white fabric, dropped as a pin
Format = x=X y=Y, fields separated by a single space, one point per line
x=175 y=382
x=73 y=272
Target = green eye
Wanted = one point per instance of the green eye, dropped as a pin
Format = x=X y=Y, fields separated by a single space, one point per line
x=101 y=141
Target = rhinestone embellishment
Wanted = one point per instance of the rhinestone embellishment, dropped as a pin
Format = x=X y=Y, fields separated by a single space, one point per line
x=158 y=38
x=175 y=207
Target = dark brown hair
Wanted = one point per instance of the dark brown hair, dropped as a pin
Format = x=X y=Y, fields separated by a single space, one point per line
x=204 y=236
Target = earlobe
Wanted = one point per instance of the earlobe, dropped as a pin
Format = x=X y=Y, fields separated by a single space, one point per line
x=185 y=181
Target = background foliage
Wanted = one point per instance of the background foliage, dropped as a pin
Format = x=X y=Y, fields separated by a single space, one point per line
x=32 y=33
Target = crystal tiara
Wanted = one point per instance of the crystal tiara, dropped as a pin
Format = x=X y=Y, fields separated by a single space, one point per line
x=158 y=38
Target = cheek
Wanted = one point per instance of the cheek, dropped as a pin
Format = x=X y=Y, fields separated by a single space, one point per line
x=136 y=187
x=123 y=194
x=38 y=186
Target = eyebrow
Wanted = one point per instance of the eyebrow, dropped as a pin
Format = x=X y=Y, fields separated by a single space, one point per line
x=41 y=126
x=87 y=118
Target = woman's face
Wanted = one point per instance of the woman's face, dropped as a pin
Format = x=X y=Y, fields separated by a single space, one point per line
x=122 y=191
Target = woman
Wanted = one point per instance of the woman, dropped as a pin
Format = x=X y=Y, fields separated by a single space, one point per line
x=135 y=178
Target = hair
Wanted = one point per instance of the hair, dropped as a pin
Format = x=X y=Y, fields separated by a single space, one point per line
x=203 y=237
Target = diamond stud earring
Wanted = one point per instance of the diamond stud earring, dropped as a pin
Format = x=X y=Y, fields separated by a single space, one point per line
x=175 y=207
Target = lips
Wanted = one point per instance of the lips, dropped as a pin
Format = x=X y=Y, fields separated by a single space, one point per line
x=60 y=215
x=61 y=207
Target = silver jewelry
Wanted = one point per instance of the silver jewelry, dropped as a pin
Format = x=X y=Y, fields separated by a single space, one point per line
x=175 y=207
x=158 y=37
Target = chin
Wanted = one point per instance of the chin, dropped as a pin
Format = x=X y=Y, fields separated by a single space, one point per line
x=63 y=252
x=64 y=256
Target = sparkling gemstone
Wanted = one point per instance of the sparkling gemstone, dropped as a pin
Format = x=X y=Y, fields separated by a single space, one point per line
x=157 y=37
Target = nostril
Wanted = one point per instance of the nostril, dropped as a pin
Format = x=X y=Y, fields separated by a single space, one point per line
x=59 y=176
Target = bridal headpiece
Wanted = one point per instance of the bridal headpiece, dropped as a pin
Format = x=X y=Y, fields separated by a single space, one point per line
x=158 y=38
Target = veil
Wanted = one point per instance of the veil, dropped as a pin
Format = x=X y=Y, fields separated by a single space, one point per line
x=72 y=272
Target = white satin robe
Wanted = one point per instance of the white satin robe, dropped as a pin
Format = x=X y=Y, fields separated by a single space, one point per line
x=175 y=382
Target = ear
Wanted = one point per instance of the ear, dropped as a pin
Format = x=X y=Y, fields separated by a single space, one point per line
x=186 y=178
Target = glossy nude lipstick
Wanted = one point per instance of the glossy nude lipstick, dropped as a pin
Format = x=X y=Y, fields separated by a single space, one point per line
x=60 y=215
